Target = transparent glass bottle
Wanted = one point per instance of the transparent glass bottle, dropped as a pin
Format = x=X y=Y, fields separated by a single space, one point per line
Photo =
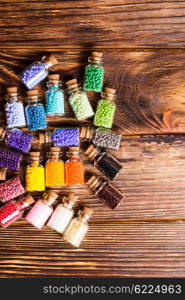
x=94 y=73
x=105 y=111
x=63 y=213
x=35 y=112
x=42 y=210
x=54 y=169
x=79 y=102
x=101 y=137
x=35 y=175
x=14 y=109
x=78 y=227
x=105 y=162
x=105 y=191
x=74 y=169
x=61 y=137
x=54 y=97
x=13 y=210
x=37 y=71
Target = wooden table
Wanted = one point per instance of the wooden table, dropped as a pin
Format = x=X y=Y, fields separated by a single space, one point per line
x=144 y=58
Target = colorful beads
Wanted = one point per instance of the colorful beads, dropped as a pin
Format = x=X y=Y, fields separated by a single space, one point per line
x=110 y=195
x=34 y=74
x=74 y=173
x=19 y=140
x=106 y=138
x=35 y=116
x=10 y=159
x=93 y=78
x=66 y=137
x=11 y=189
x=35 y=178
x=15 y=116
x=54 y=101
x=39 y=214
x=81 y=105
x=104 y=114
x=54 y=173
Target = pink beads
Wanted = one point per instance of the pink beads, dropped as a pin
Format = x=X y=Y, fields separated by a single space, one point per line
x=11 y=189
x=39 y=214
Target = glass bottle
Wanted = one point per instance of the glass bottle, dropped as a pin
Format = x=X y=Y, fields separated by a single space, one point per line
x=105 y=191
x=14 y=109
x=10 y=159
x=78 y=227
x=54 y=97
x=16 y=139
x=63 y=213
x=11 y=189
x=61 y=137
x=35 y=112
x=13 y=210
x=74 y=170
x=105 y=162
x=37 y=71
x=105 y=109
x=42 y=210
x=101 y=137
x=79 y=102
x=94 y=73
x=54 y=169
x=35 y=175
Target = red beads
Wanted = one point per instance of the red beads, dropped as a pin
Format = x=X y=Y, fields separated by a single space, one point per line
x=11 y=189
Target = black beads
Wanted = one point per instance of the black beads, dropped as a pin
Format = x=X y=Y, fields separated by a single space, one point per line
x=109 y=165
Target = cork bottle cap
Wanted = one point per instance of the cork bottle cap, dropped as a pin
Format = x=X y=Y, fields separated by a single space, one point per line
x=12 y=89
x=54 y=151
x=72 y=84
x=44 y=138
x=2 y=133
x=29 y=199
x=109 y=92
x=93 y=182
x=86 y=133
x=2 y=174
x=91 y=152
x=50 y=197
x=51 y=60
x=32 y=94
x=96 y=56
x=85 y=214
x=34 y=156
x=70 y=199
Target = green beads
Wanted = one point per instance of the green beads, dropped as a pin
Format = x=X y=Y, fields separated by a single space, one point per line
x=104 y=114
x=81 y=105
x=93 y=78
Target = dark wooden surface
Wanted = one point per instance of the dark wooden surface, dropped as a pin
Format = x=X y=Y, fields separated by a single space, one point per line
x=145 y=235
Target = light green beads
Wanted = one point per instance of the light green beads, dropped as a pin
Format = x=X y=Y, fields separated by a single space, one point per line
x=104 y=114
x=81 y=106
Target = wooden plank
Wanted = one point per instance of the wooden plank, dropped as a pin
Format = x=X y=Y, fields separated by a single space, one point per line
x=122 y=250
x=150 y=85
x=121 y=23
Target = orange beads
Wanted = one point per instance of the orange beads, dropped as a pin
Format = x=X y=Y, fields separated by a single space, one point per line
x=54 y=173
x=74 y=172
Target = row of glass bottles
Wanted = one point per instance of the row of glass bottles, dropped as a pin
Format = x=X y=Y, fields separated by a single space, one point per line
x=56 y=173
x=60 y=219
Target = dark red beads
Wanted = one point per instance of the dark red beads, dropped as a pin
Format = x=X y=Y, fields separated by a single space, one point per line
x=11 y=189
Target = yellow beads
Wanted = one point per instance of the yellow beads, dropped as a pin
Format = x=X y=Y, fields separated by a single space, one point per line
x=35 y=178
x=54 y=173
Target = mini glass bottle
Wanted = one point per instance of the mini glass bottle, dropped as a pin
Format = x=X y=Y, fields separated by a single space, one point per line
x=14 y=109
x=16 y=139
x=105 y=109
x=101 y=137
x=11 y=189
x=35 y=112
x=79 y=102
x=42 y=210
x=35 y=175
x=54 y=97
x=94 y=73
x=54 y=169
x=13 y=210
x=78 y=227
x=10 y=159
x=74 y=170
x=63 y=214
x=105 y=191
x=37 y=71
x=105 y=162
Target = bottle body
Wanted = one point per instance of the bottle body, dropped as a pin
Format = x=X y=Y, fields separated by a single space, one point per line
x=60 y=218
x=35 y=177
x=80 y=105
x=10 y=159
x=106 y=138
x=54 y=101
x=76 y=232
x=10 y=213
x=35 y=116
x=15 y=116
x=39 y=214
x=34 y=74
x=66 y=137
x=11 y=189
x=74 y=172
x=108 y=164
x=19 y=140
x=54 y=170
x=111 y=196
x=94 y=74
x=104 y=113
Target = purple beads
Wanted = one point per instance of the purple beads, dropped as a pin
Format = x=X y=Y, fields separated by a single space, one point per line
x=66 y=137
x=19 y=140
x=10 y=159
x=34 y=74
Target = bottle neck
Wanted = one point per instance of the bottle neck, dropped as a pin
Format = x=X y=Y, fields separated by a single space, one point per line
x=34 y=163
x=12 y=99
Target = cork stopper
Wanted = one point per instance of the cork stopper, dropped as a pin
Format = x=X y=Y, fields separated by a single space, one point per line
x=86 y=133
x=73 y=152
x=70 y=199
x=2 y=133
x=91 y=152
x=2 y=174
x=29 y=199
x=50 y=198
x=54 y=151
x=85 y=214
x=44 y=138
x=94 y=182
x=12 y=91
x=54 y=78
x=109 y=93
x=96 y=56
x=51 y=60
x=34 y=156
x=32 y=94
x=72 y=84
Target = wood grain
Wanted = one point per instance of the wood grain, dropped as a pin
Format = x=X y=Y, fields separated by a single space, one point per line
x=121 y=23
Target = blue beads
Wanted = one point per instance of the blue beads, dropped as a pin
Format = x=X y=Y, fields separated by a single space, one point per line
x=54 y=101
x=19 y=140
x=35 y=116
x=66 y=137
x=34 y=74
